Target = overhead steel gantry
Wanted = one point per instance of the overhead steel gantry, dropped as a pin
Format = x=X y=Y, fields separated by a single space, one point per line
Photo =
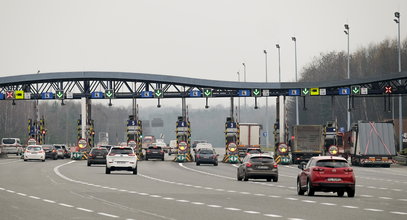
x=76 y=85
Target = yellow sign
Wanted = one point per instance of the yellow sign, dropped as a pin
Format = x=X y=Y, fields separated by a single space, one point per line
x=314 y=91
x=19 y=94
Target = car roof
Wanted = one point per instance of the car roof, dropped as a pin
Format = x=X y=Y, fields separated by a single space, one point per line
x=328 y=158
x=260 y=155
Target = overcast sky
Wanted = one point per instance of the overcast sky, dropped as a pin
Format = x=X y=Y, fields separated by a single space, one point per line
x=207 y=39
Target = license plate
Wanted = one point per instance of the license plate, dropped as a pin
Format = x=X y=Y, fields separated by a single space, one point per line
x=262 y=167
x=121 y=162
x=34 y=153
x=334 y=179
x=99 y=156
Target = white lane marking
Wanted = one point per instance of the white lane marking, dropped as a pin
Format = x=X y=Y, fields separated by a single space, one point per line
x=273 y=216
x=387 y=198
x=10 y=191
x=272 y=196
x=198 y=203
x=65 y=205
x=2 y=189
x=231 y=191
x=259 y=194
x=182 y=200
x=404 y=200
x=215 y=206
x=49 y=201
x=21 y=194
x=374 y=210
x=251 y=212
x=308 y=201
x=350 y=207
x=211 y=174
x=85 y=210
x=155 y=196
x=168 y=198
x=220 y=190
x=244 y=193
x=34 y=197
x=397 y=190
x=292 y=199
x=295 y=219
x=399 y=213
x=233 y=209
x=143 y=194
x=327 y=203
x=367 y=196
x=108 y=215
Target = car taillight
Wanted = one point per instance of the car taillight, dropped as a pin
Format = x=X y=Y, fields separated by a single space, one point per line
x=214 y=156
x=41 y=151
x=162 y=151
x=27 y=151
x=111 y=154
x=54 y=151
x=275 y=165
x=348 y=170
x=198 y=156
x=248 y=165
x=90 y=155
x=148 y=151
x=132 y=155
x=318 y=169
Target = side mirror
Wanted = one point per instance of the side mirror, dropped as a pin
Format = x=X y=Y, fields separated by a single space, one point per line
x=302 y=165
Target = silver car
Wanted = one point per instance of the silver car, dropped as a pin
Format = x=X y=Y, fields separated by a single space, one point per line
x=258 y=166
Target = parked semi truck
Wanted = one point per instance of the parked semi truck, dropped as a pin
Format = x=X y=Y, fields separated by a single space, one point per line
x=371 y=143
x=249 y=137
x=308 y=142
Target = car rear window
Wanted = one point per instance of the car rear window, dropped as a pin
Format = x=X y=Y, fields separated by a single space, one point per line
x=121 y=151
x=332 y=163
x=154 y=147
x=262 y=159
x=58 y=147
x=34 y=148
x=101 y=150
x=254 y=151
x=206 y=152
x=8 y=141
x=46 y=148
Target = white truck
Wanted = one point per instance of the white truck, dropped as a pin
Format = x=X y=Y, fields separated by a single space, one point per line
x=308 y=142
x=11 y=146
x=249 y=137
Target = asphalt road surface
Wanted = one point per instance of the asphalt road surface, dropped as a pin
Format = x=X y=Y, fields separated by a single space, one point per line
x=65 y=189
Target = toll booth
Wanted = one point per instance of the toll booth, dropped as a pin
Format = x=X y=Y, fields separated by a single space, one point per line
x=232 y=132
x=183 y=136
x=89 y=133
x=282 y=153
x=135 y=135
x=37 y=130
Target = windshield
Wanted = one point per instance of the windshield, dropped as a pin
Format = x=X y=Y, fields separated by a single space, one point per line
x=58 y=147
x=121 y=151
x=262 y=159
x=46 y=147
x=154 y=147
x=332 y=163
x=8 y=141
x=34 y=148
x=100 y=150
x=205 y=152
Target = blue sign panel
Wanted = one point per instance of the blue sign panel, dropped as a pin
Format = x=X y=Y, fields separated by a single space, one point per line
x=294 y=92
x=146 y=94
x=195 y=93
x=97 y=95
x=131 y=123
x=182 y=124
x=244 y=92
x=1 y=95
x=231 y=125
x=47 y=95
x=344 y=91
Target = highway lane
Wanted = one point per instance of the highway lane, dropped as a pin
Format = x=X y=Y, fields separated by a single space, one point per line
x=168 y=190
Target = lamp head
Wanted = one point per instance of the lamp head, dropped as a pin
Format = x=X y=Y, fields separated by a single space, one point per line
x=278 y=46
x=265 y=51
x=346 y=26
x=293 y=38
x=397 y=14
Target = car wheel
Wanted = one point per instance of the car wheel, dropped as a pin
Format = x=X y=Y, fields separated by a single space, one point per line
x=238 y=177
x=275 y=179
x=25 y=159
x=107 y=170
x=89 y=164
x=146 y=158
x=310 y=190
x=351 y=192
x=269 y=179
x=215 y=164
x=299 y=190
x=55 y=157
x=135 y=171
x=245 y=178
x=340 y=193
x=198 y=164
x=62 y=157
x=43 y=160
x=162 y=159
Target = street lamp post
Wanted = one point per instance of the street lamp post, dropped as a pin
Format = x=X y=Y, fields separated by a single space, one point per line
x=279 y=63
x=238 y=108
x=297 y=117
x=244 y=78
x=348 y=110
x=397 y=20
x=267 y=104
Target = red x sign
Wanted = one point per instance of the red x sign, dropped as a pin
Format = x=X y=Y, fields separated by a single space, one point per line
x=10 y=95
x=388 y=89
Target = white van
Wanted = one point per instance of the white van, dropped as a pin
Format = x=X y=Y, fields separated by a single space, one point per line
x=173 y=147
x=11 y=146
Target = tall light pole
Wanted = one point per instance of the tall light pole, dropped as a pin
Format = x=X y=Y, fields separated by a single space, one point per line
x=244 y=78
x=348 y=109
x=279 y=63
x=238 y=108
x=297 y=117
x=397 y=20
x=267 y=105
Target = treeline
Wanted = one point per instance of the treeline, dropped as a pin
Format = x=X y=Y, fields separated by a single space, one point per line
x=374 y=60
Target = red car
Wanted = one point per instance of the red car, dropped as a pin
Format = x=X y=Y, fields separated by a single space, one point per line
x=326 y=174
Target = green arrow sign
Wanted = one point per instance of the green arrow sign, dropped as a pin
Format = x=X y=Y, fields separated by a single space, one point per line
x=207 y=92
x=256 y=92
x=60 y=94
x=304 y=91
x=355 y=90
x=158 y=93
x=109 y=93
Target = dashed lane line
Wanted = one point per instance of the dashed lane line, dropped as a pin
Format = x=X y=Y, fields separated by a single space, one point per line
x=108 y=215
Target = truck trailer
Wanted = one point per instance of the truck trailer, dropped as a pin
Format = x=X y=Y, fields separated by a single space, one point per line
x=308 y=142
x=249 y=137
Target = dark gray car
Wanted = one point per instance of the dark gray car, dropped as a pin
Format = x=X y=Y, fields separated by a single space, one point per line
x=258 y=166
x=207 y=156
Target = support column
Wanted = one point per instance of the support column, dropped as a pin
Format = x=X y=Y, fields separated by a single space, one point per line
x=84 y=115
x=282 y=118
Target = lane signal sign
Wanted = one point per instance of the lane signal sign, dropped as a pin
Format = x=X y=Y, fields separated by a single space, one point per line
x=256 y=92
x=59 y=94
x=47 y=95
x=305 y=91
x=9 y=94
x=363 y=91
x=146 y=94
x=344 y=91
x=109 y=93
x=195 y=93
x=158 y=93
x=355 y=90
x=244 y=92
x=97 y=95
x=388 y=89
x=208 y=92
x=1 y=95
x=314 y=91
x=19 y=94
x=322 y=91
x=294 y=92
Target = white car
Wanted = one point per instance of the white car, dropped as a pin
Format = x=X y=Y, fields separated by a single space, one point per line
x=121 y=158
x=34 y=152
